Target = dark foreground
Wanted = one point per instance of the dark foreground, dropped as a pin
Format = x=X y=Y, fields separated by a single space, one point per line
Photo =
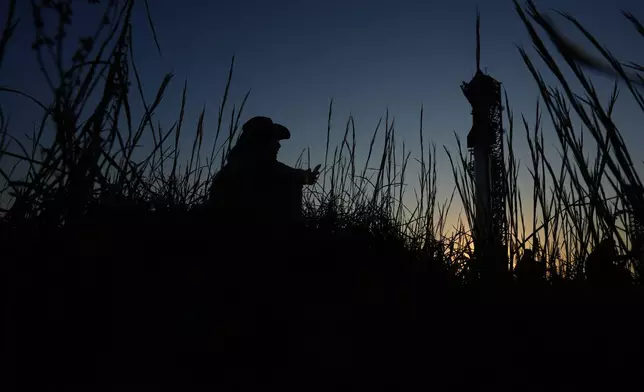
x=126 y=310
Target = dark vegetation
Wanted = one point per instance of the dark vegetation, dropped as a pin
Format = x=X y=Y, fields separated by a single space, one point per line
x=114 y=271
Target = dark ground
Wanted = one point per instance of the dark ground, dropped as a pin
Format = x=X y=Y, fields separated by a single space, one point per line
x=124 y=307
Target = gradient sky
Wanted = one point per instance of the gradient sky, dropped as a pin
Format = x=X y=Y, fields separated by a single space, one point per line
x=369 y=55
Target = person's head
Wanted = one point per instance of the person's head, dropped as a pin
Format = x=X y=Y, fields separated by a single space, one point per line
x=261 y=136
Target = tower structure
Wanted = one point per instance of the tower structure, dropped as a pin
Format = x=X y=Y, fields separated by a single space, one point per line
x=485 y=143
x=635 y=206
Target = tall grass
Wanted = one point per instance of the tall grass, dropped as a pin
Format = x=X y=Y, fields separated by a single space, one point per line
x=93 y=165
x=590 y=193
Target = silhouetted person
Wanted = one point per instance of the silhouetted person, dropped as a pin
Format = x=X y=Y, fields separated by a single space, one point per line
x=528 y=270
x=253 y=185
x=601 y=269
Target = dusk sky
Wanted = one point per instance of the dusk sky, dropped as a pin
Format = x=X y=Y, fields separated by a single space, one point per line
x=368 y=55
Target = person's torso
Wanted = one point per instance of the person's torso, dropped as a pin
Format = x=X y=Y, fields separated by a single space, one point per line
x=263 y=191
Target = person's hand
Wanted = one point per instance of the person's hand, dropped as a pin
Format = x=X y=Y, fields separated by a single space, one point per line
x=311 y=176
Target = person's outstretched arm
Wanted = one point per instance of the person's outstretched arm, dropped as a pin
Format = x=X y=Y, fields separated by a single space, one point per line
x=300 y=176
